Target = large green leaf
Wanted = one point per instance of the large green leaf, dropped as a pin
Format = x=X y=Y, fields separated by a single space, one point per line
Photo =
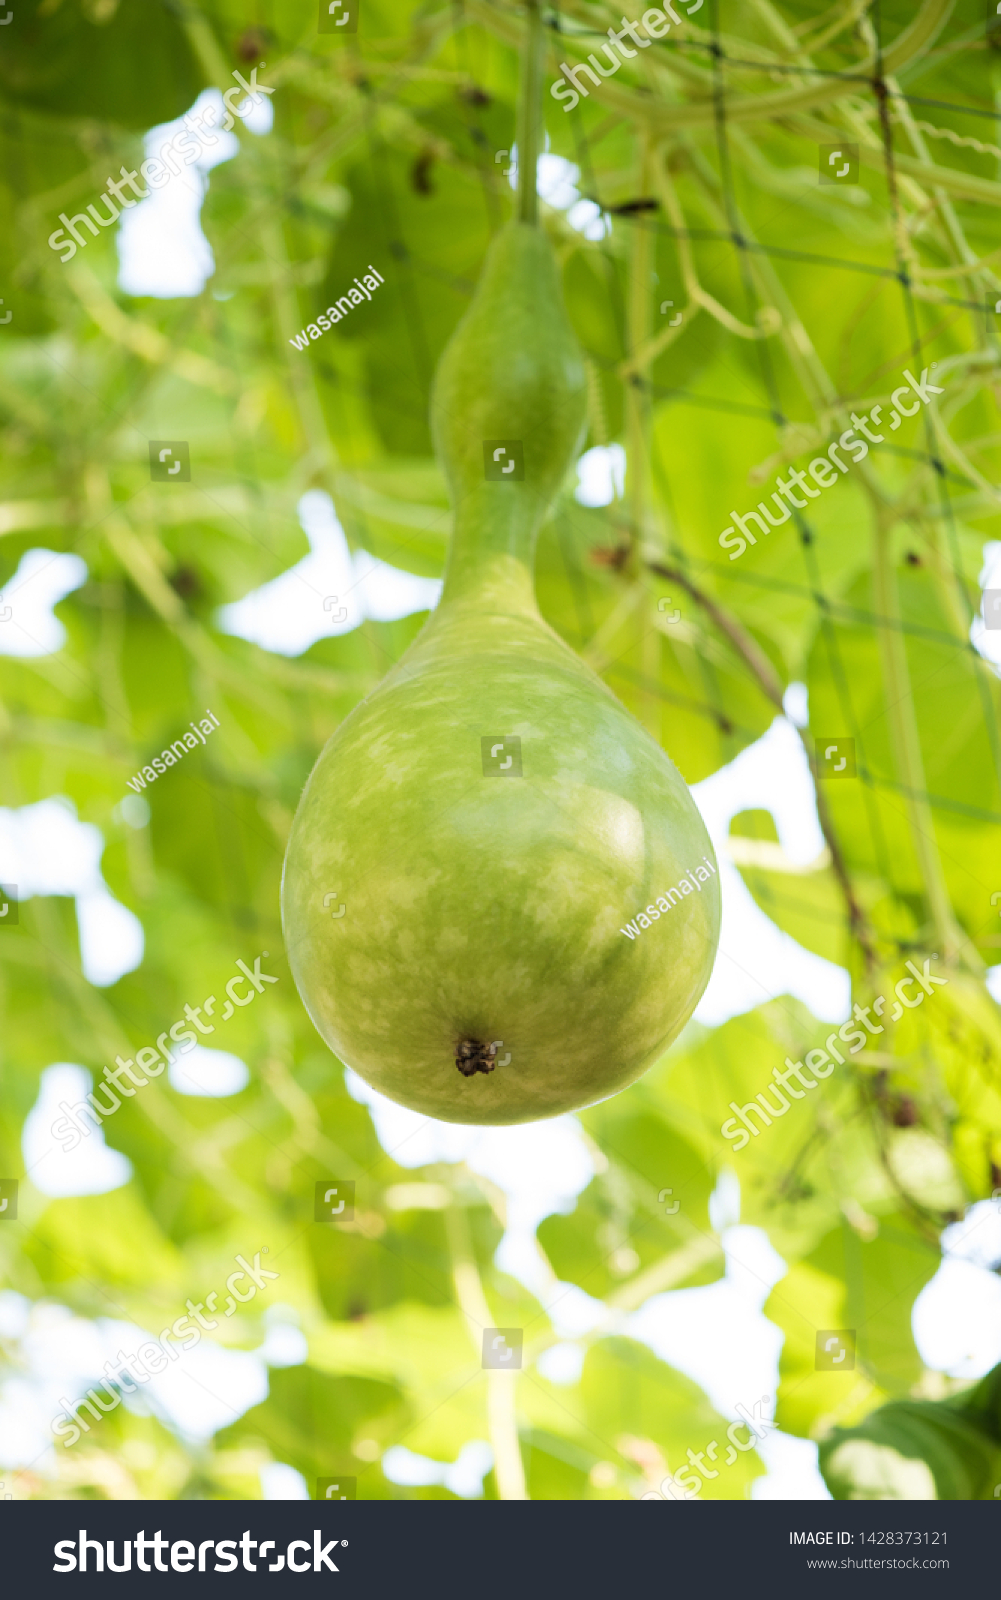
x=863 y=1279
x=921 y=1449
x=68 y=59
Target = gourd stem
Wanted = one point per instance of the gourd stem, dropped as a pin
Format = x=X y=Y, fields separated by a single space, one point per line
x=530 y=120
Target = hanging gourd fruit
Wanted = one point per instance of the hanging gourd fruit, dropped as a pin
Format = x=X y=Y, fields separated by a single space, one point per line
x=532 y=900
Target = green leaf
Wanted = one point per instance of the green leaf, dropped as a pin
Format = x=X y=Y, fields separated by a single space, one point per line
x=630 y=1396
x=69 y=59
x=921 y=1449
x=865 y=1284
x=310 y=1421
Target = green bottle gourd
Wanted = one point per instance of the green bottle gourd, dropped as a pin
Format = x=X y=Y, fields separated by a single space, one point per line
x=479 y=974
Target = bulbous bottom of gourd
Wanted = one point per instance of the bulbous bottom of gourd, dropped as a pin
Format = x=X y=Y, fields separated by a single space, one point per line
x=484 y=908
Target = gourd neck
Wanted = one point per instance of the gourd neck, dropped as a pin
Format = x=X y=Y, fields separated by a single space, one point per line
x=507 y=416
x=492 y=550
x=508 y=403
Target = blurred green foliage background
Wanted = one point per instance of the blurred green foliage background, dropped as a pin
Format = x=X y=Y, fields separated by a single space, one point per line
x=801 y=303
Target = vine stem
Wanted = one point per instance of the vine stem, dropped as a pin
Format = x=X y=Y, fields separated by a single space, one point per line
x=530 y=117
x=906 y=744
x=909 y=47
x=637 y=419
x=770 y=685
x=638 y=314
x=502 y=1422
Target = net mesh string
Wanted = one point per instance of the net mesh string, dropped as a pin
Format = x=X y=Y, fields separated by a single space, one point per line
x=827 y=606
